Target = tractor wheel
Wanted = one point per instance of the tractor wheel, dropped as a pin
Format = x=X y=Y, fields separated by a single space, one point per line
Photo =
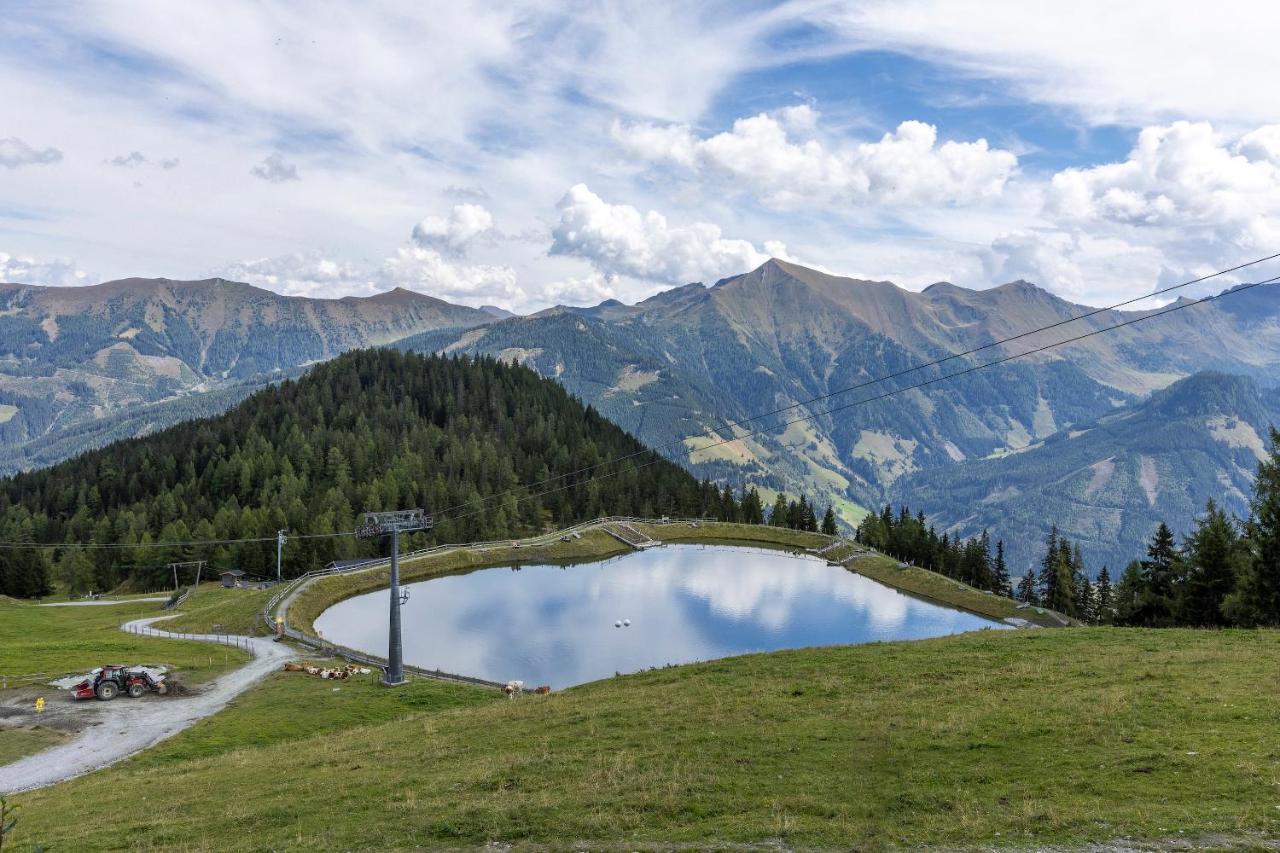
x=136 y=690
x=107 y=690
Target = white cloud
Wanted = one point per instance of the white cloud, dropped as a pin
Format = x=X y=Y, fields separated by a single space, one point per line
x=310 y=274
x=14 y=153
x=453 y=234
x=428 y=271
x=906 y=166
x=1135 y=63
x=1187 y=176
x=275 y=169
x=619 y=239
x=1185 y=201
x=591 y=289
x=54 y=273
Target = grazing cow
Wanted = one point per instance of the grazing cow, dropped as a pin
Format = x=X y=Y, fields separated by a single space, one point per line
x=543 y=690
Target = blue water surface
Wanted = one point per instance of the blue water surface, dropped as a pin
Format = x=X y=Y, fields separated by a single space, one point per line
x=555 y=625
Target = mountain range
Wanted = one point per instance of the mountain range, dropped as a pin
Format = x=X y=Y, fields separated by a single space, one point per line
x=691 y=370
x=80 y=366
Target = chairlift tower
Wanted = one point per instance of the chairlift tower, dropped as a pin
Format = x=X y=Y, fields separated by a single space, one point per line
x=378 y=524
x=198 y=565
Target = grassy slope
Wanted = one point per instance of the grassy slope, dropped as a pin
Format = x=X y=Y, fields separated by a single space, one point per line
x=1026 y=737
x=18 y=743
x=212 y=608
x=59 y=640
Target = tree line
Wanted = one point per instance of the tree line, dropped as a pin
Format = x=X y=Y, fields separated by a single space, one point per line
x=1225 y=572
x=911 y=539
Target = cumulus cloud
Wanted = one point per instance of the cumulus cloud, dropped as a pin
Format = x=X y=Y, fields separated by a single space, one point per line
x=305 y=274
x=429 y=271
x=591 y=289
x=430 y=264
x=275 y=169
x=15 y=153
x=54 y=273
x=1184 y=175
x=1185 y=201
x=452 y=235
x=619 y=239
x=770 y=154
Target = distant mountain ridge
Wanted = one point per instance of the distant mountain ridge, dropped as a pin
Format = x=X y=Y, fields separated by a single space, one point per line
x=73 y=356
x=692 y=360
x=1108 y=483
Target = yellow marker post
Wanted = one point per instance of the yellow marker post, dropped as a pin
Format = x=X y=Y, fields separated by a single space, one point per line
x=40 y=705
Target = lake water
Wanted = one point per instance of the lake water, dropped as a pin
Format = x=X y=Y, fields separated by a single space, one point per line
x=555 y=625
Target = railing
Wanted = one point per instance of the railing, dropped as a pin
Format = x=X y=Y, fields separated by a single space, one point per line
x=174 y=602
x=235 y=640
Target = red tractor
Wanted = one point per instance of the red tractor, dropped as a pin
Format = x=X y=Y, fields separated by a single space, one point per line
x=109 y=681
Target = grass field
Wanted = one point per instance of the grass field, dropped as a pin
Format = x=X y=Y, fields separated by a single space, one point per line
x=1022 y=738
x=211 y=608
x=17 y=743
x=61 y=640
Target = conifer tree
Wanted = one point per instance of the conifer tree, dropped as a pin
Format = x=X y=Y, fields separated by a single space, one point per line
x=1213 y=556
x=1027 y=589
x=1257 y=600
x=1048 y=580
x=1159 y=572
x=1103 y=597
x=829 y=522
x=778 y=515
x=1000 y=584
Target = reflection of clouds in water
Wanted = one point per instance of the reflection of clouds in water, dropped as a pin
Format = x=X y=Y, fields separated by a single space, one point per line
x=555 y=625
x=769 y=597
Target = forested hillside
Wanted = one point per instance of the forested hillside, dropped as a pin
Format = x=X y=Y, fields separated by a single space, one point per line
x=370 y=430
x=74 y=361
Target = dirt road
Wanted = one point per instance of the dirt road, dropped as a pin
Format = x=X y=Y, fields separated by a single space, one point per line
x=124 y=727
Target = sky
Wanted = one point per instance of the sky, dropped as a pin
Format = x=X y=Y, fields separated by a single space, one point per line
x=534 y=153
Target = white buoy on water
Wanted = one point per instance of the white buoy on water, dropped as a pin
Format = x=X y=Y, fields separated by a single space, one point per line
x=617 y=624
x=626 y=622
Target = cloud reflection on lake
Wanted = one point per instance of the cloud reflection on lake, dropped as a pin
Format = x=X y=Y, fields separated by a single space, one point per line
x=555 y=624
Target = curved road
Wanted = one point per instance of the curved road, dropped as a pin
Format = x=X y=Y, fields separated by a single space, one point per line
x=126 y=727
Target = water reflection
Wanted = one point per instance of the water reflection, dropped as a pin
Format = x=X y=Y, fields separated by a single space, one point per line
x=555 y=625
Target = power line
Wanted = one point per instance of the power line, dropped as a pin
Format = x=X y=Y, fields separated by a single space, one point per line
x=914 y=368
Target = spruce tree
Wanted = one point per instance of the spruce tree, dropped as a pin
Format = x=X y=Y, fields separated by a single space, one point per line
x=1129 y=595
x=1027 y=588
x=1257 y=600
x=1103 y=598
x=1000 y=573
x=778 y=516
x=1213 y=555
x=1048 y=579
x=829 y=522
x=1159 y=573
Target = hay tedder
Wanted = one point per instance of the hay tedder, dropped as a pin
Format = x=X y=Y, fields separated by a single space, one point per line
x=109 y=681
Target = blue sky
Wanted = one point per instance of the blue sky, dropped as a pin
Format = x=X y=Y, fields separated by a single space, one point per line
x=532 y=153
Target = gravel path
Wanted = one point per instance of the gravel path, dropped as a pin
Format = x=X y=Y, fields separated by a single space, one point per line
x=126 y=726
